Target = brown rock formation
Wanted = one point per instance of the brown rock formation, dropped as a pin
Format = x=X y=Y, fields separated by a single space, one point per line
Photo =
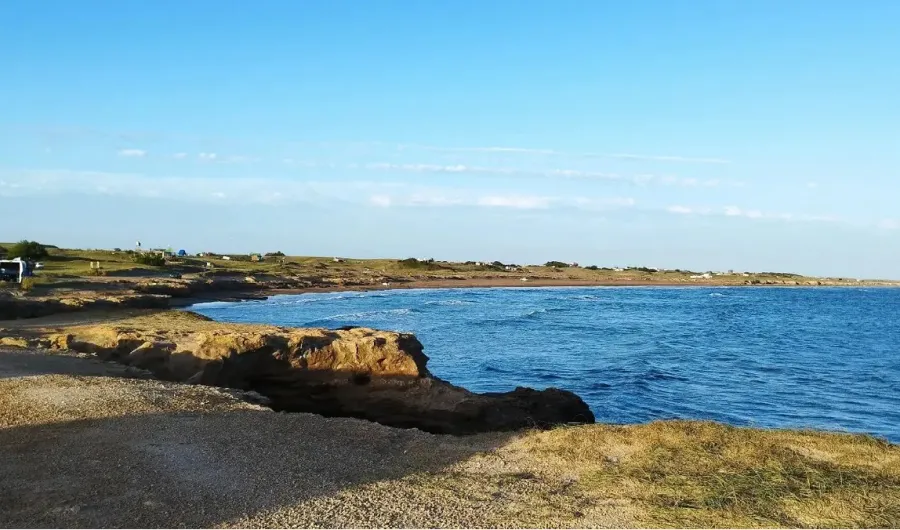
x=377 y=375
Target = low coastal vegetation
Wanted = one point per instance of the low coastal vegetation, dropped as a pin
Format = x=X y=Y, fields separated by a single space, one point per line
x=69 y=263
x=700 y=474
x=151 y=259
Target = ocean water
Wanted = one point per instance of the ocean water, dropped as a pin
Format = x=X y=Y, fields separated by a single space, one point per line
x=826 y=358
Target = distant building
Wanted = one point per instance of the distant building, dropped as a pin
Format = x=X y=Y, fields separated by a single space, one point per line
x=226 y=258
x=256 y=257
x=182 y=253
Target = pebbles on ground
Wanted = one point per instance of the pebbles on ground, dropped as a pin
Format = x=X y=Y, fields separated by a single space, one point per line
x=88 y=443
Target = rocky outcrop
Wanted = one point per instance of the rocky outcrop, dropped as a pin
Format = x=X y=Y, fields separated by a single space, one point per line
x=376 y=375
x=129 y=294
x=12 y=307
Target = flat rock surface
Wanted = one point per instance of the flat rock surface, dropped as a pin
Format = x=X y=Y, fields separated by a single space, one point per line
x=85 y=443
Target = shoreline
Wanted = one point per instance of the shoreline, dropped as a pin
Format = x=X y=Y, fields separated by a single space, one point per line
x=471 y=283
x=116 y=310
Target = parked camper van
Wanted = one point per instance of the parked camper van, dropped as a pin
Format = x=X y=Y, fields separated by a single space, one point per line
x=14 y=270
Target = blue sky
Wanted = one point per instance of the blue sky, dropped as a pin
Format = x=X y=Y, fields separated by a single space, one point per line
x=706 y=134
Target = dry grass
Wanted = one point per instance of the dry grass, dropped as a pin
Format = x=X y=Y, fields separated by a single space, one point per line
x=710 y=475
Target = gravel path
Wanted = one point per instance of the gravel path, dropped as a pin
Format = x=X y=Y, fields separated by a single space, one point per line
x=90 y=444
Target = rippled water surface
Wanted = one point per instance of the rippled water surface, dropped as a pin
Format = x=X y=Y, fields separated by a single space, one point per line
x=776 y=357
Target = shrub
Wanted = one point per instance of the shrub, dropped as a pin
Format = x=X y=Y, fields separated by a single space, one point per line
x=278 y=254
x=592 y=268
x=27 y=284
x=413 y=263
x=29 y=250
x=153 y=260
x=558 y=264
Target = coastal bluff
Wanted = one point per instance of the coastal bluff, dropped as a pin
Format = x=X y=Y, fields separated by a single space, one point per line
x=379 y=376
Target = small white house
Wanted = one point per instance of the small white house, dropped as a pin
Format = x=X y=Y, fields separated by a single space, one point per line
x=228 y=258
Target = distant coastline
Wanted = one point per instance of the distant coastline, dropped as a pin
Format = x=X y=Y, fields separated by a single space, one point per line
x=72 y=280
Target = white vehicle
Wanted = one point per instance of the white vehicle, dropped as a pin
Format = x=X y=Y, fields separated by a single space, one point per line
x=14 y=270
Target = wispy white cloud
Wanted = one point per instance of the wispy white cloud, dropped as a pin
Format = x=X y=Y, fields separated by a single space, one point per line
x=239 y=159
x=437 y=197
x=642 y=179
x=734 y=211
x=680 y=159
x=523 y=202
x=553 y=152
x=132 y=153
x=459 y=169
x=380 y=200
x=889 y=224
x=602 y=203
x=520 y=150
x=274 y=190
x=232 y=190
x=89 y=134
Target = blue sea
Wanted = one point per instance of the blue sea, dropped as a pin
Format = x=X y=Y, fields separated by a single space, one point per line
x=825 y=358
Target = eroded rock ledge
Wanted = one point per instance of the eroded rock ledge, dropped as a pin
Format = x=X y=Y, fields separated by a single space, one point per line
x=376 y=375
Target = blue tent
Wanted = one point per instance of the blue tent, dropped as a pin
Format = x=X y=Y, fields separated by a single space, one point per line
x=182 y=252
